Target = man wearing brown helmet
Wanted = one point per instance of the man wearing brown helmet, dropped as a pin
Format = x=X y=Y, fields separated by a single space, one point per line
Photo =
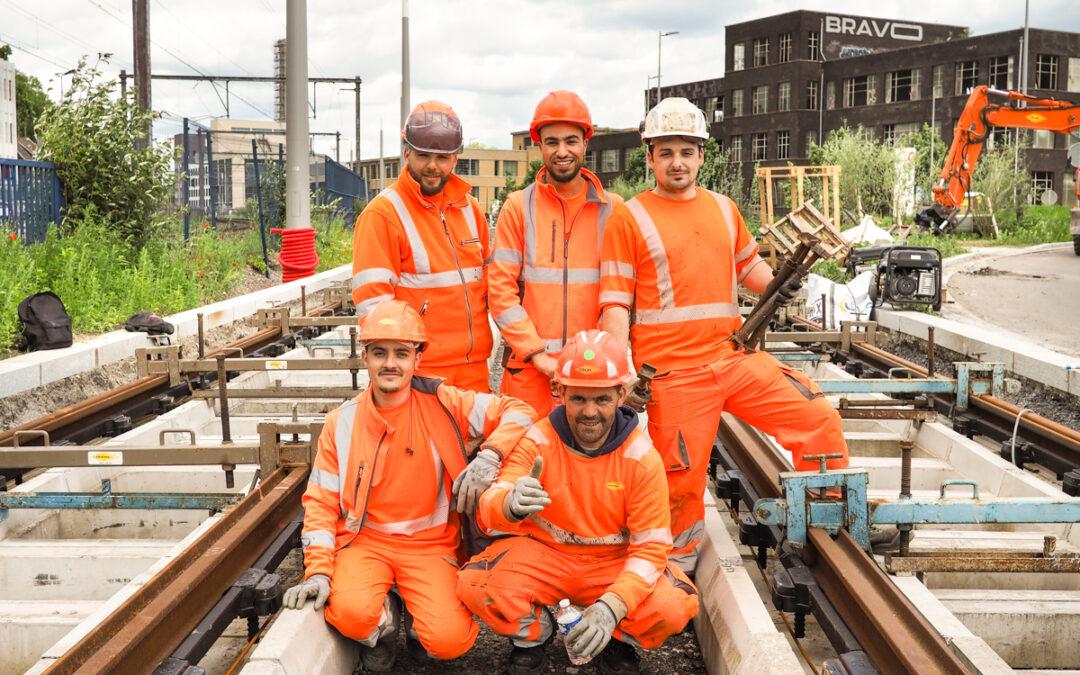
x=424 y=240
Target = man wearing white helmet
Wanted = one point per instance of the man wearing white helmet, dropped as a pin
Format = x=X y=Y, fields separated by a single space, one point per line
x=674 y=256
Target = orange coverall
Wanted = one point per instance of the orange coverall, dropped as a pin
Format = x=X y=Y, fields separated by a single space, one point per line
x=676 y=266
x=377 y=507
x=605 y=536
x=544 y=277
x=430 y=250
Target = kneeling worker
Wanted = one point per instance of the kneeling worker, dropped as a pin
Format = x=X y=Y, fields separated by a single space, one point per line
x=585 y=492
x=377 y=510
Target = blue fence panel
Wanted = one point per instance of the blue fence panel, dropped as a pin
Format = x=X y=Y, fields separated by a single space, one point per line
x=30 y=198
x=346 y=186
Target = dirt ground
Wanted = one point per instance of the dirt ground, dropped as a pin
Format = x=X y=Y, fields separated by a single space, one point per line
x=1036 y=295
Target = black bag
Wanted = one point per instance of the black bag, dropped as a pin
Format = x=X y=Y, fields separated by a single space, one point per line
x=149 y=323
x=45 y=323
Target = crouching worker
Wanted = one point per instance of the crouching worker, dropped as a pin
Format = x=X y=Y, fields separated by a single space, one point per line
x=381 y=504
x=586 y=493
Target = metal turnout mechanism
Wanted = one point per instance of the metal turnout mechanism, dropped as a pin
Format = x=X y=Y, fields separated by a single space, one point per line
x=810 y=501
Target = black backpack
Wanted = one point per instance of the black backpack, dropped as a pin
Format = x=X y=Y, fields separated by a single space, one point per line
x=45 y=323
x=149 y=323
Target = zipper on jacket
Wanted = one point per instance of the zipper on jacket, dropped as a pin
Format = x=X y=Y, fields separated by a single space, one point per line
x=464 y=285
x=553 y=223
x=367 y=495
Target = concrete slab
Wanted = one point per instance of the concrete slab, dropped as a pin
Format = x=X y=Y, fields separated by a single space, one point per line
x=74 y=569
x=926 y=473
x=300 y=642
x=873 y=443
x=27 y=628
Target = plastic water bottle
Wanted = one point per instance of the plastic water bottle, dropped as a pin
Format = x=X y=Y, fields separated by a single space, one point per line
x=566 y=618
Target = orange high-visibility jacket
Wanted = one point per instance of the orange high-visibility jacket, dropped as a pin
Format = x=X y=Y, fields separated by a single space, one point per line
x=404 y=247
x=611 y=505
x=677 y=266
x=544 y=277
x=355 y=436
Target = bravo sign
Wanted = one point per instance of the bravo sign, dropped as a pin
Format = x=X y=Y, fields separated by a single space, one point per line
x=847 y=25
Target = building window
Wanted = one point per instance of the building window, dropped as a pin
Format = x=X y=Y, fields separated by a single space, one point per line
x=1074 y=74
x=785 y=47
x=392 y=169
x=967 y=72
x=1001 y=72
x=475 y=192
x=830 y=95
x=859 y=91
x=760 y=99
x=590 y=160
x=737 y=103
x=736 y=148
x=510 y=167
x=938 y=76
x=738 y=56
x=468 y=167
x=783 y=97
x=1041 y=181
x=812 y=93
x=783 y=144
x=813 y=39
x=761 y=52
x=1043 y=139
x=609 y=161
x=893 y=134
x=902 y=85
x=809 y=142
x=714 y=108
x=759 y=144
x=1046 y=71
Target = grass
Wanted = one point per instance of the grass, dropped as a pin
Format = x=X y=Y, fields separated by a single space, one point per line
x=103 y=280
x=1038 y=225
x=948 y=245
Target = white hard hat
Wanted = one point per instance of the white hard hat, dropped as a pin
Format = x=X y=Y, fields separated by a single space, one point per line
x=675 y=116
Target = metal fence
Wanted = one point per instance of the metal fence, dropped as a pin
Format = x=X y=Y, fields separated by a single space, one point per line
x=30 y=198
x=338 y=182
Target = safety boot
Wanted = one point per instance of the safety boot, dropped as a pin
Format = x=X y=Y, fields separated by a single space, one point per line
x=527 y=660
x=380 y=657
x=619 y=658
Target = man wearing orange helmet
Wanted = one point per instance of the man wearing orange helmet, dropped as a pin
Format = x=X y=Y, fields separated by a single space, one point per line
x=379 y=508
x=544 y=277
x=585 y=495
x=424 y=240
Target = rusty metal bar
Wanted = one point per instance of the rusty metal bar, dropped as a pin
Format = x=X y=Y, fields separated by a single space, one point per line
x=149 y=625
x=977 y=561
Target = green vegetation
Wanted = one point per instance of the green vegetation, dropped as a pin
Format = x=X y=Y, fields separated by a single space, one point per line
x=948 y=244
x=1037 y=225
x=512 y=185
x=869 y=169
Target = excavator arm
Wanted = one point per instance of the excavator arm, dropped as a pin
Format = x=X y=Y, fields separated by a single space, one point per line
x=979 y=116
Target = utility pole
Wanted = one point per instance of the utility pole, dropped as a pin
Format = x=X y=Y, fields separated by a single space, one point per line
x=297 y=176
x=405 y=107
x=382 y=162
x=356 y=87
x=140 y=23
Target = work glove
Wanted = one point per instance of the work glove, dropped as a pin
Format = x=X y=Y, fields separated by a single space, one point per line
x=789 y=290
x=528 y=495
x=316 y=586
x=638 y=395
x=477 y=477
x=589 y=636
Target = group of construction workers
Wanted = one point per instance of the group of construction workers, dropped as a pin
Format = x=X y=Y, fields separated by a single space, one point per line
x=433 y=503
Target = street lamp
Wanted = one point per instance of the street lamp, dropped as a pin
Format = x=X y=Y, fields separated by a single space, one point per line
x=660 y=35
x=61 y=76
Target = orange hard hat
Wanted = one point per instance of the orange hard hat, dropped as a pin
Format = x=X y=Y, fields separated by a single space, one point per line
x=393 y=320
x=593 y=358
x=561 y=106
x=433 y=127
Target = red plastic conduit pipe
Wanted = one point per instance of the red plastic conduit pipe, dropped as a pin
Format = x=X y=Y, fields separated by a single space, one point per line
x=298 y=257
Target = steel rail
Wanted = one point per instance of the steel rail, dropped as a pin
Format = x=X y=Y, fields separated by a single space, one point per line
x=894 y=634
x=144 y=630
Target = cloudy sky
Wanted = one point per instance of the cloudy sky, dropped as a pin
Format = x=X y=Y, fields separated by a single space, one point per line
x=490 y=59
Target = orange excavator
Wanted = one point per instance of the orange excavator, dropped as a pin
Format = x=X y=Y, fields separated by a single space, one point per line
x=979 y=116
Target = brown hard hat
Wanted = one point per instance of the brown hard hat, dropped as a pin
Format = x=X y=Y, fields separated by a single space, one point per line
x=433 y=127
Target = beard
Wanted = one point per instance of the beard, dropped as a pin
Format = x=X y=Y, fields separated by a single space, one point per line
x=574 y=173
x=424 y=189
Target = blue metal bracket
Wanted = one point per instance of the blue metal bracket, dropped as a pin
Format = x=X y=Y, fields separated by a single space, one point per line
x=108 y=500
x=800 y=510
x=972 y=379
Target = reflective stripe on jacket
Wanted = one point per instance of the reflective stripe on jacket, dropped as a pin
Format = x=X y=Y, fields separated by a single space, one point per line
x=677 y=266
x=544 y=276
x=348 y=453
x=405 y=247
x=615 y=505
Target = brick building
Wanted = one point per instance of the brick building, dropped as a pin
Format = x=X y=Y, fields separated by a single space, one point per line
x=789 y=79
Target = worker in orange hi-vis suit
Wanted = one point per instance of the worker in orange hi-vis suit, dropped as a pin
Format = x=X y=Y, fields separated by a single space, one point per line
x=424 y=240
x=544 y=276
x=388 y=481
x=672 y=259
x=585 y=495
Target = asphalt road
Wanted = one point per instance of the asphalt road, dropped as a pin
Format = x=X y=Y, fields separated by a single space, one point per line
x=1036 y=295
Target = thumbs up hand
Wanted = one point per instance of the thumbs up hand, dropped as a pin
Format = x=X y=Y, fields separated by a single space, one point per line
x=528 y=495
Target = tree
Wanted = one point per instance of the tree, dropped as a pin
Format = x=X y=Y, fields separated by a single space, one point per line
x=31 y=102
x=512 y=185
x=721 y=173
x=91 y=136
x=5 y=52
x=926 y=176
x=1004 y=180
x=868 y=169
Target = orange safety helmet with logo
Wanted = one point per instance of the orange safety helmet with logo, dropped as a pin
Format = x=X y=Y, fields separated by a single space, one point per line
x=593 y=358
x=393 y=320
x=561 y=106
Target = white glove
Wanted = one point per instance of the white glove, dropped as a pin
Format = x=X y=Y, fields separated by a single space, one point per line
x=477 y=477
x=590 y=635
x=316 y=586
x=528 y=495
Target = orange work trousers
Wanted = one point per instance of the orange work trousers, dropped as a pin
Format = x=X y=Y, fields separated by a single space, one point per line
x=426 y=579
x=684 y=416
x=529 y=385
x=472 y=376
x=509 y=584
